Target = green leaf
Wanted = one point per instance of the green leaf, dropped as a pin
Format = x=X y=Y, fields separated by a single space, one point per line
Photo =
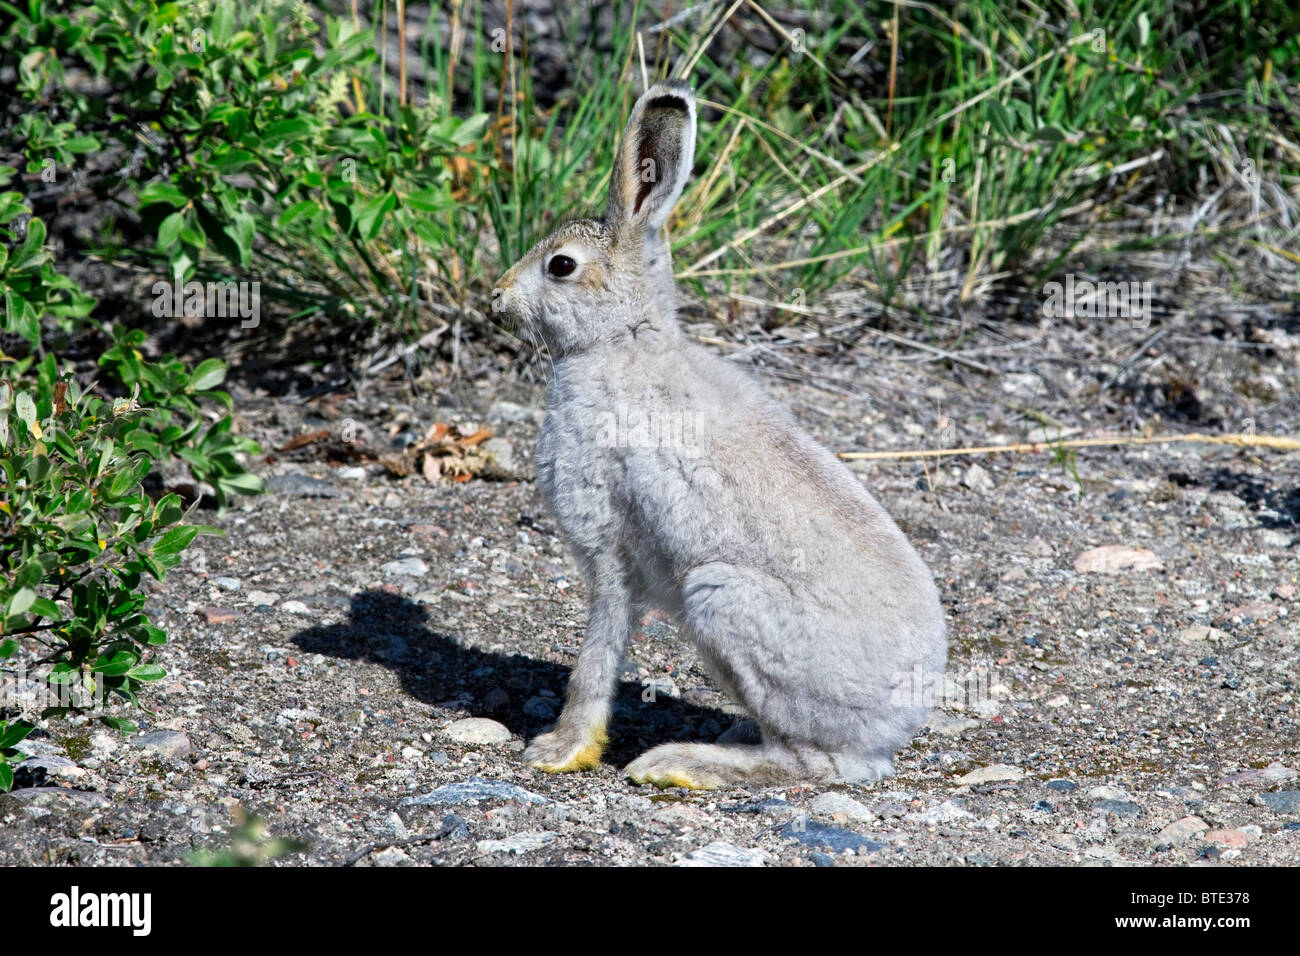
x=170 y=229
x=119 y=724
x=162 y=193
x=233 y=161
x=307 y=207
x=117 y=664
x=26 y=408
x=6 y=777
x=14 y=731
x=123 y=482
x=147 y=672
x=208 y=374
x=287 y=130
x=175 y=540
x=20 y=601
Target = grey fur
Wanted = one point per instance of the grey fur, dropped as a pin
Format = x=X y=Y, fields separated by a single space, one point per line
x=680 y=484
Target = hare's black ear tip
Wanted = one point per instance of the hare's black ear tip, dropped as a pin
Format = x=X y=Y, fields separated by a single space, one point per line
x=672 y=95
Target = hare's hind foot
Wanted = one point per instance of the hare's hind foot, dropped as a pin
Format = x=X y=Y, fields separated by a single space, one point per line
x=709 y=766
x=565 y=751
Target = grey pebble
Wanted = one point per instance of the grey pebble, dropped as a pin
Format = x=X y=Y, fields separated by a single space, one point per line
x=540 y=708
x=166 y=742
x=518 y=843
x=1283 y=801
x=405 y=567
x=838 y=839
x=296 y=483
x=718 y=853
x=475 y=788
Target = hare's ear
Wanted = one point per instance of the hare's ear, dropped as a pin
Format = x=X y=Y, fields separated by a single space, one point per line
x=654 y=159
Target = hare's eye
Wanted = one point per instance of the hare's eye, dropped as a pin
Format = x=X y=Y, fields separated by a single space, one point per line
x=561 y=266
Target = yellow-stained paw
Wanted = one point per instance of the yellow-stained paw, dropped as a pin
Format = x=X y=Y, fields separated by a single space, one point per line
x=553 y=754
x=670 y=779
x=693 y=766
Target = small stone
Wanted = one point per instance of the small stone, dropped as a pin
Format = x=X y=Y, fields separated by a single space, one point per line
x=841 y=806
x=295 y=607
x=1283 y=801
x=977 y=478
x=474 y=789
x=950 y=811
x=519 y=843
x=1102 y=853
x=392 y=647
x=166 y=742
x=945 y=725
x=478 y=730
x=1202 y=634
x=57 y=798
x=821 y=859
x=218 y=615
x=1107 y=792
x=296 y=483
x=723 y=854
x=454 y=827
x=495 y=699
x=51 y=765
x=1261 y=776
x=405 y=567
x=540 y=708
x=411 y=753
x=227 y=584
x=1116 y=558
x=811 y=833
x=991 y=774
x=351 y=473
x=655 y=687
x=1060 y=700
x=771 y=806
x=392 y=856
x=1182 y=830
x=269 y=598
x=1255 y=611
x=1121 y=808
x=1062 y=786
x=503 y=452
x=1228 y=839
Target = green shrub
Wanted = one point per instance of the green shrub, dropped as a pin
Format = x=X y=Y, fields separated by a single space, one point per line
x=77 y=536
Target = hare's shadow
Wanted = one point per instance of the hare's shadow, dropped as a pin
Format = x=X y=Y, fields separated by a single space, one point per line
x=436 y=669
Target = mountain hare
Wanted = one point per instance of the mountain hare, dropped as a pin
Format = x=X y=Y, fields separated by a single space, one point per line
x=680 y=484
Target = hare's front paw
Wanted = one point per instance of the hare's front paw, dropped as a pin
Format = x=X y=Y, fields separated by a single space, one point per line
x=562 y=752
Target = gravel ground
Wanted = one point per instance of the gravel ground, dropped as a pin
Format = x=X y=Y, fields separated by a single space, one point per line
x=361 y=659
